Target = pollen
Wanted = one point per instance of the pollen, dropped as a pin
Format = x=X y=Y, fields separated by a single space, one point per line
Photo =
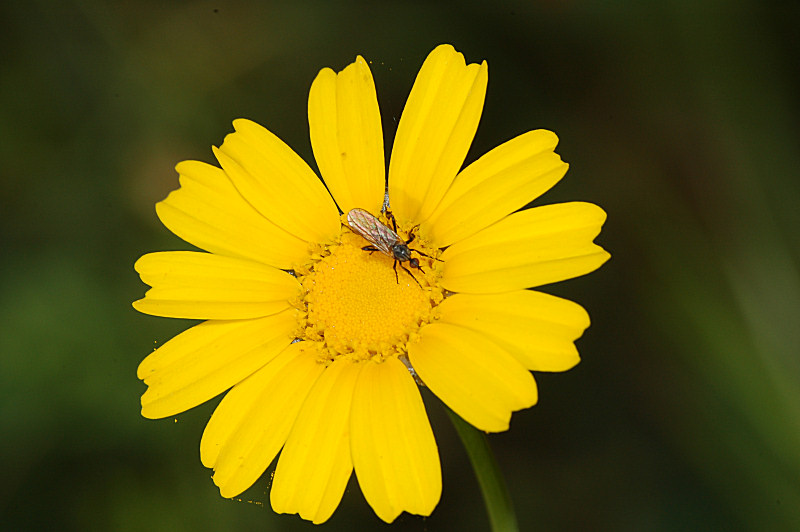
x=356 y=307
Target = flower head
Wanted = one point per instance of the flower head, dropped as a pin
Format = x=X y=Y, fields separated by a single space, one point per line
x=321 y=336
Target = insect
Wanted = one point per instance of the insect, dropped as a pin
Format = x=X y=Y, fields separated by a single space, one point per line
x=385 y=240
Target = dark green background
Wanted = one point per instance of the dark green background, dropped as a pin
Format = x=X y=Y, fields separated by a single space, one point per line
x=679 y=118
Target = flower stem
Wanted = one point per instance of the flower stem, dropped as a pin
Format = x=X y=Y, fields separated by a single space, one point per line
x=493 y=488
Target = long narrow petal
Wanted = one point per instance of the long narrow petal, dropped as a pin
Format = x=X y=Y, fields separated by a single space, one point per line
x=209 y=212
x=538 y=329
x=346 y=136
x=278 y=183
x=527 y=249
x=240 y=403
x=252 y=422
x=472 y=375
x=435 y=131
x=204 y=286
x=499 y=183
x=204 y=361
x=315 y=463
x=394 y=452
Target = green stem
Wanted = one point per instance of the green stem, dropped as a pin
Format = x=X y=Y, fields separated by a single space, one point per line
x=493 y=488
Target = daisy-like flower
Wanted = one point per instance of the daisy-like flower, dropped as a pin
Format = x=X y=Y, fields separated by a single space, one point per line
x=321 y=344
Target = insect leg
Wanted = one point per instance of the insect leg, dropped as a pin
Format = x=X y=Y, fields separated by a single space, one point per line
x=390 y=216
x=371 y=249
x=412 y=235
x=409 y=273
x=424 y=255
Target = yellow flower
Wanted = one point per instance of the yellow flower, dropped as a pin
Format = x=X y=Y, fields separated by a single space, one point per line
x=320 y=342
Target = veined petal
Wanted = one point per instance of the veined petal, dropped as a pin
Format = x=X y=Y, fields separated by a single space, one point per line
x=278 y=183
x=537 y=328
x=204 y=361
x=209 y=212
x=204 y=286
x=346 y=136
x=526 y=249
x=252 y=422
x=435 y=131
x=315 y=463
x=394 y=452
x=499 y=183
x=472 y=375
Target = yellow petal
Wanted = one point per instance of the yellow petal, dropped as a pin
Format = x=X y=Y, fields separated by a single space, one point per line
x=538 y=329
x=252 y=422
x=278 y=183
x=209 y=212
x=204 y=361
x=315 y=463
x=346 y=136
x=435 y=131
x=206 y=286
x=526 y=249
x=394 y=452
x=472 y=375
x=499 y=183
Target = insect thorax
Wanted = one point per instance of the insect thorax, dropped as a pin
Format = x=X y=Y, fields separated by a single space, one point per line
x=401 y=252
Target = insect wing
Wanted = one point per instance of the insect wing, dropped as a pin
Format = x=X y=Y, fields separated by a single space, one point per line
x=372 y=230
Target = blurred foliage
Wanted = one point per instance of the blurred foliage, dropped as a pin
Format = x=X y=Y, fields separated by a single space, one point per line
x=679 y=118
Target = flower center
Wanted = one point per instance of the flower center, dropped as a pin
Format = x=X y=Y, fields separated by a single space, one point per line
x=357 y=307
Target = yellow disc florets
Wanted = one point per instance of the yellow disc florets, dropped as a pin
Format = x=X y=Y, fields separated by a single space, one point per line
x=356 y=306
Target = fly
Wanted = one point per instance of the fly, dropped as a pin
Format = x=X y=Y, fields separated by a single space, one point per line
x=385 y=240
